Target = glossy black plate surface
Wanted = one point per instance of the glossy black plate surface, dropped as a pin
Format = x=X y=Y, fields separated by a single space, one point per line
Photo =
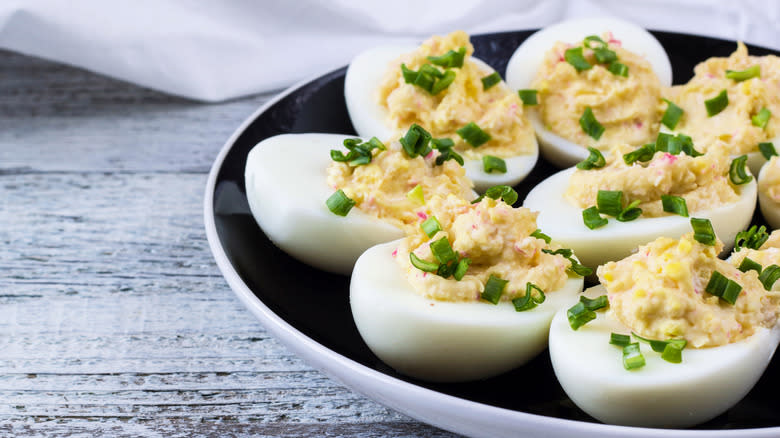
x=317 y=303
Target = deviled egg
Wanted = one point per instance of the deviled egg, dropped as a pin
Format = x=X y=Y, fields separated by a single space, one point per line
x=769 y=192
x=303 y=199
x=685 y=336
x=442 y=88
x=734 y=99
x=467 y=295
x=598 y=82
x=616 y=203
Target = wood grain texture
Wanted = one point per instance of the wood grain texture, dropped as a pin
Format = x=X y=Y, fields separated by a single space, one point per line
x=114 y=319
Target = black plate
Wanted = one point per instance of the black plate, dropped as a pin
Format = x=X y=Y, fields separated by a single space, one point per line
x=317 y=303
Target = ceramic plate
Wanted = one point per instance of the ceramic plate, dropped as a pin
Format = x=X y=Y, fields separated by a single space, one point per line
x=308 y=309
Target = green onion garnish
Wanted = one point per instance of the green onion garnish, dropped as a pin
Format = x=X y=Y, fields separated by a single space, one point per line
x=443 y=251
x=676 y=144
x=742 y=75
x=702 y=231
x=605 y=56
x=576 y=59
x=493 y=289
x=416 y=141
x=446 y=151
x=431 y=226
x=717 y=103
x=618 y=69
x=672 y=353
x=737 y=173
x=748 y=265
x=674 y=204
x=728 y=290
x=473 y=135
x=539 y=235
x=429 y=78
x=491 y=80
x=594 y=160
x=491 y=163
x=769 y=276
x=762 y=118
x=461 y=268
x=443 y=82
x=597 y=303
x=416 y=195
x=594 y=42
x=632 y=357
x=508 y=194
x=528 y=301
x=449 y=59
x=659 y=346
x=568 y=254
x=631 y=212
x=672 y=114
x=619 y=340
x=422 y=265
x=528 y=96
x=767 y=149
x=339 y=203
x=359 y=152
x=590 y=125
x=644 y=153
x=578 y=315
x=753 y=238
x=610 y=202
x=592 y=218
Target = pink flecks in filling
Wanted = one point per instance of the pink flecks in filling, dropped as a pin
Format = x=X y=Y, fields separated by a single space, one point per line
x=638 y=124
x=710 y=75
x=473 y=226
x=422 y=215
x=395 y=252
x=612 y=40
x=430 y=154
x=668 y=158
x=424 y=274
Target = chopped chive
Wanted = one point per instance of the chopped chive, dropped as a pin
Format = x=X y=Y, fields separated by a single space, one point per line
x=659 y=346
x=597 y=303
x=431 y=226
x=618 y=69
x=446 y=151
x=578 y=315
x=619 y=340
x=743 y=75
x=422 y=265
x=672 y=353
x=491 y=163
x=672 y=114
x=662 y=143
x=443 y=82
x=752 y=238
x=491 y=80
x=631 y=212
x=577 y=60
x=443 y=251
x=592 y=218
x=442 y=143
x=508 y=194
x=416 y=141
x=610 y=202
x=767 y=149
x=590 y=125
x=339 y=203
x=769 y=276
x=539 y=235
x=565 y=252
x=606 y=56
x=643 y=153
x=360 y=153
x=568 y=254
x=687 y=145
x=416 y=194
x=446 y=269
x=749 y=265
x=674 y=204
x=702 y=231
x=461 y=268
x=676 y=144
x=493 y=289
x=728 y=290
x=632 y=357
x=762 y=118
x=594 y=161
x=449 y=59
x=473 y=135
x=528 y=301
x=528 y=96
x=594 y=42
x=717 y=103
x=737 y=173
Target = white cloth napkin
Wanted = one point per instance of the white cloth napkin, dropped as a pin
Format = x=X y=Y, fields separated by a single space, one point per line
x=216 y=50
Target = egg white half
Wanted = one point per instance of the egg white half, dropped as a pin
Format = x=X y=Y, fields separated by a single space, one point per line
x=369 y=118
x=661 y=394
x=770 y=209
x=528 y=58
x=444 y=341
x=562 y=221
x=286 y=186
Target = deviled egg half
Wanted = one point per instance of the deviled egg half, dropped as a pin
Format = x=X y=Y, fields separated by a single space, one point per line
x=735 y=100
x=610 y=205
x=769 y=192
x=467 y=295
x=597 y=82
x=685 y=336
x=303 y=198
x=442 y=88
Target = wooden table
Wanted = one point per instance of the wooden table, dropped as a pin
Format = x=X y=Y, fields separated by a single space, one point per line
x=114 y=319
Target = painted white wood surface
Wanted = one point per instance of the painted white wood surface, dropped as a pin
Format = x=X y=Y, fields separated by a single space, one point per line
x=114 y=319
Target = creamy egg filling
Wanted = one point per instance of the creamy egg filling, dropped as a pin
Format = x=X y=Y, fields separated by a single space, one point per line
x=769 y=184
x=627 y=107
x=659 y=293
x=734 y=124
x=702 y=181
x=498 y=110
x=381 y=187
x=496 y=238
